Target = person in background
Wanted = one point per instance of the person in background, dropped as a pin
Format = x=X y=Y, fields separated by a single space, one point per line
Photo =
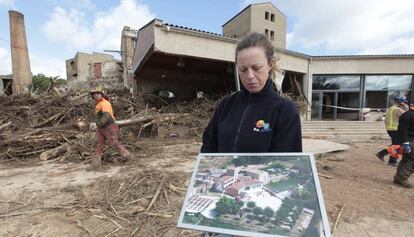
x=406 y=137
x=392 y=116
x=106 y=129
x=257 y=118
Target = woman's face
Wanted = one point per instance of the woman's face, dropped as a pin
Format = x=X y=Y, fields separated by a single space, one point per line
x=253 y=68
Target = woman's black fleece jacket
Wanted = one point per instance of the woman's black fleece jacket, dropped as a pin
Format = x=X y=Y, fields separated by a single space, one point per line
x=254 y=122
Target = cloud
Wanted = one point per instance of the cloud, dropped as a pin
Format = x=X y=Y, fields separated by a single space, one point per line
x=8 y=2
x=5 y=61
x=48 y=66
x=39 y=64
x=73 y=28
x=68 y=27
x=355 y=26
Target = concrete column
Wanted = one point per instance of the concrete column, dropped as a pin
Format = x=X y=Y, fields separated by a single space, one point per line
x=308 y=77
x=22 y=75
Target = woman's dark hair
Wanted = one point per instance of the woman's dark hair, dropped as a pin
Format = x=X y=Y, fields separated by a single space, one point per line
x=259 y=40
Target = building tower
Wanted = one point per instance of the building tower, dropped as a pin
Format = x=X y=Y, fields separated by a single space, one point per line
x=22 y=75
x=262 y=18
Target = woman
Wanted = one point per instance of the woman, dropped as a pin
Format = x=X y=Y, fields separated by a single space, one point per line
x=255 y=119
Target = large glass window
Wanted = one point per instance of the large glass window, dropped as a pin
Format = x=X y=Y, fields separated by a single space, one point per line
x=347 y=105
x=388 y=82
x=340 y=82
x=376 y=99
x=382 y=89
x=393 y=94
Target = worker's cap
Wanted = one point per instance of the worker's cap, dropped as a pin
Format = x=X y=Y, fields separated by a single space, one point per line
x=97 y=89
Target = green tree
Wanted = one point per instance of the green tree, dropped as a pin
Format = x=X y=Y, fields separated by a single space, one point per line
x=41 y=82
x=268 y=212
x=251 y=204
x=257 y=211
x=227 y=206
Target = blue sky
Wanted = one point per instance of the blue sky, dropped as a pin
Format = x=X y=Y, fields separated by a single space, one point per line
x=57 y=29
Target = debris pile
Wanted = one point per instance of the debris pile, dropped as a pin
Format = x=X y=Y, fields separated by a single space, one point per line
x=146 y=204
x=142 y=205
x=52 y=126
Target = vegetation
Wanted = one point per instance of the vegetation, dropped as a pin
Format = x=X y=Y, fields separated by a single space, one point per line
x=41 y=82
x=284 y=185
x=227 y=206
x=290 y=208
x=257 y=211
x=192 y=218
x=307 y=193
x=268 y=212
x=251 y=204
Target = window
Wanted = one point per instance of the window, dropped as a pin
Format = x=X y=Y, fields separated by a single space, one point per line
x=266 y=15
x=382 y=89
x=272 y=35
x=340 y=82
x=389 y=82
x=272 y=17
x=267 y=32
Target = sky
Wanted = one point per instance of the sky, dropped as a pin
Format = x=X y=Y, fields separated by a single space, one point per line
x=57 y=29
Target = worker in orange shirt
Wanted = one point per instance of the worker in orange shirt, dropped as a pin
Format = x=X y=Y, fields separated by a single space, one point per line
x=106 y=129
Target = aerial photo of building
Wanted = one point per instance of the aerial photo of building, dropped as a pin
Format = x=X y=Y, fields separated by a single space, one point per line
x=277 y=196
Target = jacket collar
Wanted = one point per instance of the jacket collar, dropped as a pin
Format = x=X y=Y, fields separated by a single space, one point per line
x=266 y=91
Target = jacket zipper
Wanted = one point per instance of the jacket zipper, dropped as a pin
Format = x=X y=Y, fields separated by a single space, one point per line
x=241 y=122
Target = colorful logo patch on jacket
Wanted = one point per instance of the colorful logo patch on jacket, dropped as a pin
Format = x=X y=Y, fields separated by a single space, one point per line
x=262 y=126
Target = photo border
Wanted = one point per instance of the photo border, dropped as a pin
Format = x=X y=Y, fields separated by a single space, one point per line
x=311 y=159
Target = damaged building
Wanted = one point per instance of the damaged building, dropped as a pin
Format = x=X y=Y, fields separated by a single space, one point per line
x=86 y=69
x=183 y=60
x=104 y=69
x=6 y=84
x=128 y=42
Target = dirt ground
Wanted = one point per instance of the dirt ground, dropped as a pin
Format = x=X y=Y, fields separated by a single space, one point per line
x=57 y=198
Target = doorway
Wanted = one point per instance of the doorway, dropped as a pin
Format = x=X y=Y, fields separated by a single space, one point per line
x=335 y=105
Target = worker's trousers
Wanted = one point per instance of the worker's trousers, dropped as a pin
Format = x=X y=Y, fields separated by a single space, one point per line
x=406 y=166
x=393 y=135
x=110 y=133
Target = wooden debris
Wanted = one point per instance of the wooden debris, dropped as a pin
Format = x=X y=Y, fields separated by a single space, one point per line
x=21 y=213
x=55 y=152
x=325 y=176
x=160 y=186
x=3 y=127
x=47 y=121
x=83 y=227
x=338 y=217
x=159 y=214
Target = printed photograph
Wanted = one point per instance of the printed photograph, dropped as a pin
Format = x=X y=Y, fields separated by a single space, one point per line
x=255 y=195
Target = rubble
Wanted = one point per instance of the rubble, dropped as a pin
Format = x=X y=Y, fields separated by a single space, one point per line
x=33 y=126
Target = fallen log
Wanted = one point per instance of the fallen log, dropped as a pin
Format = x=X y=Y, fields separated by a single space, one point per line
x=20 y=136
x=148 y=120
x=36 y=131
x=127 y=122
x=55 y=152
